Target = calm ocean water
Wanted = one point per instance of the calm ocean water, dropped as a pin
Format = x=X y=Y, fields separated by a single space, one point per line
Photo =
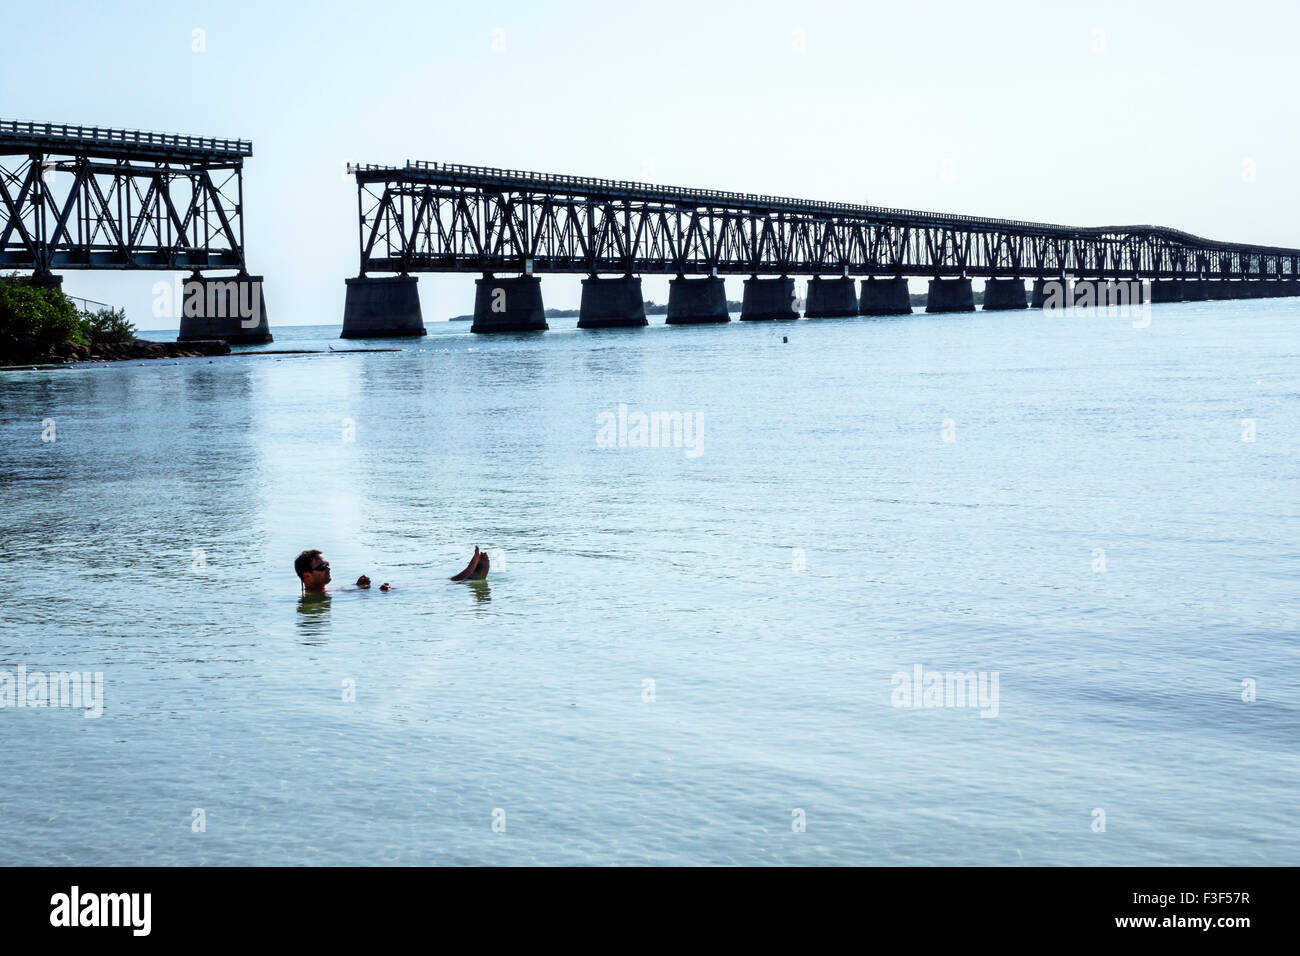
x=678 y=657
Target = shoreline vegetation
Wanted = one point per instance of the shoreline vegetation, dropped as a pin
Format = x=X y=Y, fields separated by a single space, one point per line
x=40 y=326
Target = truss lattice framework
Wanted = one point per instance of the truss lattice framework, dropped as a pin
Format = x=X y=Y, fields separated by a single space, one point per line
x=89 y=198
x=425 y=217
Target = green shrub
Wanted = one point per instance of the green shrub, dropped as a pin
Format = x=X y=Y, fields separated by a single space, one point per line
x=107 y=327
x=35 y=320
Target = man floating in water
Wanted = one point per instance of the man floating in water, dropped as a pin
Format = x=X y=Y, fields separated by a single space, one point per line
x=314 y=571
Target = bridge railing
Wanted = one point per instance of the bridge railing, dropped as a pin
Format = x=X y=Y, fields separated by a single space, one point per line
x=85 y=305
x=62 y=133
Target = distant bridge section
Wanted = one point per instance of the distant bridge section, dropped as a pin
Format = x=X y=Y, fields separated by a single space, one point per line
x=437 y=217
x=90 y=197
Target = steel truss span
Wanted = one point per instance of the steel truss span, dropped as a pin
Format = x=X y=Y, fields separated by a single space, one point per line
x=437 y=217
x=77 y=197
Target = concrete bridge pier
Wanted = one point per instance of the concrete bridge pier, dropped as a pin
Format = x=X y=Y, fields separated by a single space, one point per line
x=767 y=299
x=950 y=295
x=508 y=304
x=697 y=301
x=1089 y=293
x=1103 y=293
x=382 y=307
x=46 y=280
x=830 y=298
x=612 y=303
x=1168 y=290
x=1116 y=292
x=885 y=297
x=1003 y=294
x=224 y=307
x=1054 y=293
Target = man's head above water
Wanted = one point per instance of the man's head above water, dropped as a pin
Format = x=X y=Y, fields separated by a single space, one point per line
x=312 y=569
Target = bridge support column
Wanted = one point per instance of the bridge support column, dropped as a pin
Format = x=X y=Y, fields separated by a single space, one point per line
x=1168 y=290
x=1290 y=287
x=885 y=297
x=1002 y=294
x=1194 y=290
x=768 y=299
x=381 y=308
x=1089 y=293
x=1052 y=293
x=950 y=295
x=46 y=280
x=612 y=303
x=508 y=305
x=1107 y=293
x=829 y=298
x=697 y=301
x=220 y=307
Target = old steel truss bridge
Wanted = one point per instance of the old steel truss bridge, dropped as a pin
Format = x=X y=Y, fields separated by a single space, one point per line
x=87 y=197
x=91 y=197
x=438 y=217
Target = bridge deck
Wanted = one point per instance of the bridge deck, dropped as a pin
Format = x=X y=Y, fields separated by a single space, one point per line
x=62 y=139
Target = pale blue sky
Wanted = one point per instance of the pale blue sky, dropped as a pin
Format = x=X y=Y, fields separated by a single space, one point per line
x=1178 y=114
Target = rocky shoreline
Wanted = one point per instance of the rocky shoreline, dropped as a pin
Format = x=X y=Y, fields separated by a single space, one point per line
x=70 y=353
